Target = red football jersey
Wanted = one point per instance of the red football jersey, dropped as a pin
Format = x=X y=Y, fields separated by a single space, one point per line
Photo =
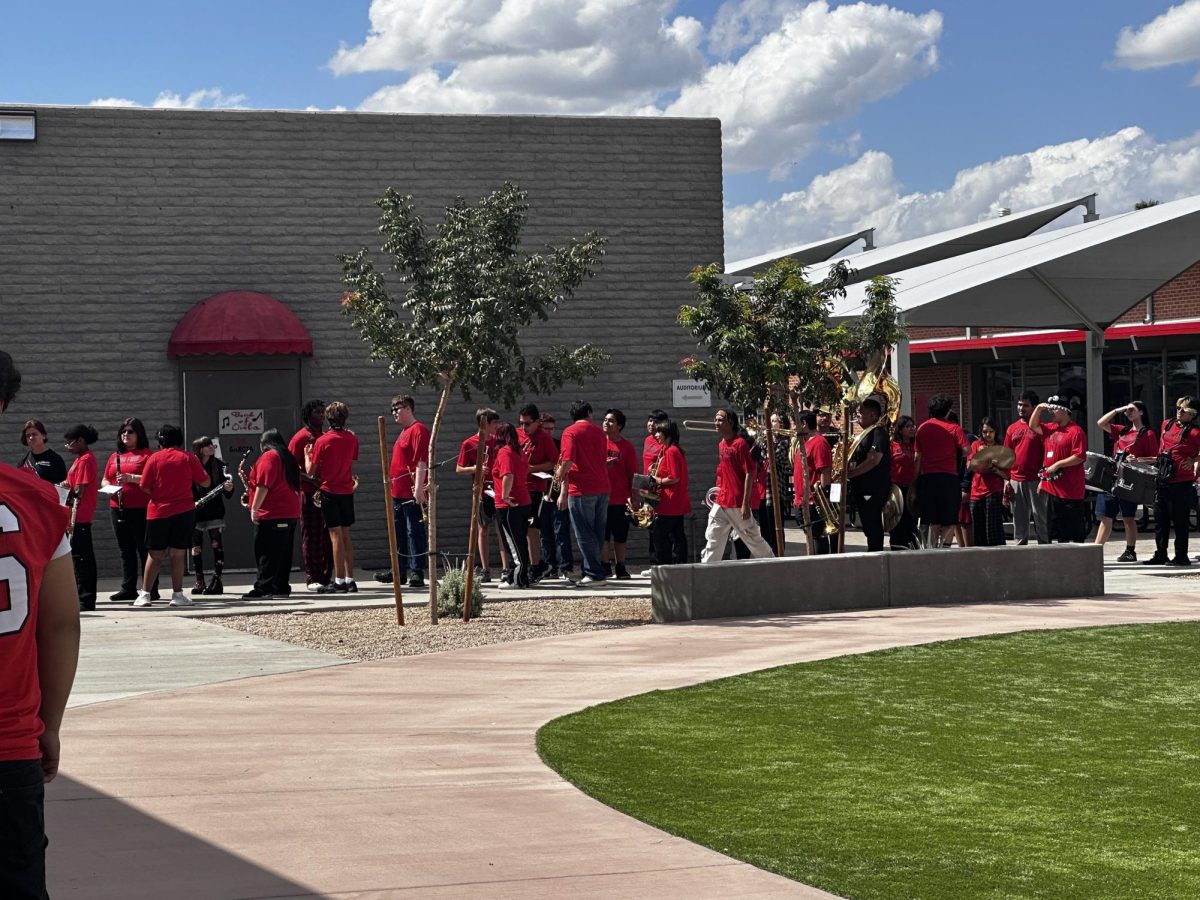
x=32 y=532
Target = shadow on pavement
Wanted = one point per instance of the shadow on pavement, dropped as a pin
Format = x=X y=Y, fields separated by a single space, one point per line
x=101 y=848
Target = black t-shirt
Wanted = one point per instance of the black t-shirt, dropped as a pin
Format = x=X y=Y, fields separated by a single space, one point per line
x=48 y=465
x=879 y=479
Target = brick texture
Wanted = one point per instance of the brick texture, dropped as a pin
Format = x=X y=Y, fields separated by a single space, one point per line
x=948 y=378
x=115 y=222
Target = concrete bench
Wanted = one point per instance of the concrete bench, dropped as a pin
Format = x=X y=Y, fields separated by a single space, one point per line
x=757 y=587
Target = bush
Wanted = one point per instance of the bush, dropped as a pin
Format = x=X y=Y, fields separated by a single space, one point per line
x=450 y=594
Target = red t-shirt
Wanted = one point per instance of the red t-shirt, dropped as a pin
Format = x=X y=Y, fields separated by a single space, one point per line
x=1027 y=444
x=622 y=466
x=904 y=464
x=133 y=462
x=282 y=501
x=818 y=456
x=673 y=499
x=83 y=477
x=468 y=455
x=1127 y=440
x=1061 y=443
x=937 y=444
x=511 y=462
x=410 y=449
x=651 y=449
x=1181 y=448
x=984 y=483
x=32 y=528
x=301 y=439
x=733 y=463
x=538 y=448
x=168 y=478
x=333 y=460
x=586 y=446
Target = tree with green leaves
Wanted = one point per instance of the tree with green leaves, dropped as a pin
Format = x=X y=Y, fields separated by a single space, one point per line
x=467 y=292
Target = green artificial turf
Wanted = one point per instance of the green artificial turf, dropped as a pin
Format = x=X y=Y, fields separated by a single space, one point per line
x=1039 y=764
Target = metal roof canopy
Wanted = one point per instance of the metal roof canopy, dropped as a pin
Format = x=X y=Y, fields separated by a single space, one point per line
x=1080 y=277
x=805 y=254
x=957 y=241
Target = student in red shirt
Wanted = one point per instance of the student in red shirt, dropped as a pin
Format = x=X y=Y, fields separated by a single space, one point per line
x=987 y=492
x=274 y=485
x=332 y=468
x=730 y=514
x=39 y=649
x=904 y=466
x=1134 y=442
x=584 y=466
x=167 y=479
x=510 y=475
x=1062 y=469
x=673 y=500
x=83 y=480
x=938 y=443
x=622 y=466
x=127 y=506
x=1178 y=451
x=468 y=454
x=410 y=480
x=541 y=452
x=651 y=448
x=316 y=549
x=814 y=459
x=1023 y=477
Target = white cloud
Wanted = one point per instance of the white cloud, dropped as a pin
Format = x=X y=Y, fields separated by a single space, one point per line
x=804 y=67
x=205 y=98
x=1173 y=37
x=1122 y=168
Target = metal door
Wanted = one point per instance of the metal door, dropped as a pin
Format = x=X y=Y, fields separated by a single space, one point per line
x=236 y=405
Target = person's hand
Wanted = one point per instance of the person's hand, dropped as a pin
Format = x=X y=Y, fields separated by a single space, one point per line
x=745 y=510
x=562 y=500
x=51 y=751
x=255 y=515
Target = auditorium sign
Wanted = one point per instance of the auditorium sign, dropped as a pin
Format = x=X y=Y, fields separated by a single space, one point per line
x=686 y=392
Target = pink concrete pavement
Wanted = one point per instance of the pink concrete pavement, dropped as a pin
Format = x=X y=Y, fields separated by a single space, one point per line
x=418 y=777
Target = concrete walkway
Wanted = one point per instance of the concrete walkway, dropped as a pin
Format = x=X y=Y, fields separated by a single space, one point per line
x=419 y=777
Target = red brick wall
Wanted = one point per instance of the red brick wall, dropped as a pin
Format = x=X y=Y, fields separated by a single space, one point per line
x=927 y=332
x=948 y=378
x=1179 y=298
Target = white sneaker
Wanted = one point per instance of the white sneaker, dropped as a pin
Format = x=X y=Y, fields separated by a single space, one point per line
x=588 y=579
x=647 y=573
x=179 y=598
x=143 y=600
x=313 y=586
x=505 y=586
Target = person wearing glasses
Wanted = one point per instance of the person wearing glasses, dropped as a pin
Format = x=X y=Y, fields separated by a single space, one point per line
x=541 y=453
x=410 y=478
x=127 y=509
x=48 y=465
x=84 y=483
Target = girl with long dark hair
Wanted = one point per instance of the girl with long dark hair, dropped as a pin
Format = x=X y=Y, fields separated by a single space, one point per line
x=670 y=540
x=510 y=475
x=127 y=507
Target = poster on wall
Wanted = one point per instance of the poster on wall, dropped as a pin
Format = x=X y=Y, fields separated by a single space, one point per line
x=241 y=421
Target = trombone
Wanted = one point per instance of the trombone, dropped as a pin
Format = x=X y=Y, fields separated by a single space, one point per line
x=756 y=431
x=697 y=425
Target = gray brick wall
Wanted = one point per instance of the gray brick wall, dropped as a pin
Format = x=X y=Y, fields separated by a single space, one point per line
x=115 y=222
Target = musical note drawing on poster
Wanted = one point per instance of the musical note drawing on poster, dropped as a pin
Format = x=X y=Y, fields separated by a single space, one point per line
x=241 y=421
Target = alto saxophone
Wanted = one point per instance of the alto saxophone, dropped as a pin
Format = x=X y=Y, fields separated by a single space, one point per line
x=241 y=470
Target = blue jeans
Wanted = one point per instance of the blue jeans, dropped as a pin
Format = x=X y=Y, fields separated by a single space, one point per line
x=589 y=518
x=412 y=545
x=556 y=537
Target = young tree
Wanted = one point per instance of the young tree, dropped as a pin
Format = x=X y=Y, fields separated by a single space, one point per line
x=468 y=292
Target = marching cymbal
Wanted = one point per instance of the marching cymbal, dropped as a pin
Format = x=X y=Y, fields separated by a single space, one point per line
x=1002 y=456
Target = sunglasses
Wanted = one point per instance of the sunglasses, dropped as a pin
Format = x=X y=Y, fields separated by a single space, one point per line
x=128 y=431
x=397 y=408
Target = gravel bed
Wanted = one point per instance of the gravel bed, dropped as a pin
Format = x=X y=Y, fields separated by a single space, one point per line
x=362 y=634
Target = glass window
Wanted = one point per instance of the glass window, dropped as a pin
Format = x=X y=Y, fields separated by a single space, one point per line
x=1072 y=384
x=17 y=126
x=1147 y=387
x=997 y=400
x=1181 y=378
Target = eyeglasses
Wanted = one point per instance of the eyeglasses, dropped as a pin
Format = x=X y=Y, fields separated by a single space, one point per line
x=128 y=431
x=397 y=409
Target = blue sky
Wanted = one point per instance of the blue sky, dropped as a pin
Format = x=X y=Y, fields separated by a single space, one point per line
x=1015 y=89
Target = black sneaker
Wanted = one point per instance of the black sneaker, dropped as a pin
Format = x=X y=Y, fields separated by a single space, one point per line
x=256 y=594
x=551 y=575
x=350 y=587
x=623 y=573
x=1157 y=559
x=120 y=596
x=384 y=577
x=1180 y=561
x=198 y=587
x=608 y=570
x=483 y=575
x=332 y=588
x=1130 y=555
x=416 y=581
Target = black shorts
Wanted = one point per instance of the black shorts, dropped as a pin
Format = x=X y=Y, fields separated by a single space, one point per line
x=487 y=511
x=535 y=507
x=618 y=525
x=938 y=496
x=338 y=509
x=22 y=815
x=174 y=531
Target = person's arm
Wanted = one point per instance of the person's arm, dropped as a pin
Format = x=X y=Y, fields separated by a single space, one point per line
x=58 y=654
x=505 y=491
x=747 y=486
x=1035 y=418
x=873 y=459
x=1104 y=420
x=564 y=480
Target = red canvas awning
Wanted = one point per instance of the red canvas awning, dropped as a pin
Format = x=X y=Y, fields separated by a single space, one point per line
x=239 y=323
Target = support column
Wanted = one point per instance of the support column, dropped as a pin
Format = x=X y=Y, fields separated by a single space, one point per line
x=902 y=372
x=1094 y=363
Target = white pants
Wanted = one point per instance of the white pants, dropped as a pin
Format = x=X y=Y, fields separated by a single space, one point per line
x=721 y=522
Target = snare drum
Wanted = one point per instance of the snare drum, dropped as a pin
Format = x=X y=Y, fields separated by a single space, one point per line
x=1099 y=472
x=1135 y=482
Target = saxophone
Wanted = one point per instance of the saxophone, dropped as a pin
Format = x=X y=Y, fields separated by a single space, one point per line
x=241 y=470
